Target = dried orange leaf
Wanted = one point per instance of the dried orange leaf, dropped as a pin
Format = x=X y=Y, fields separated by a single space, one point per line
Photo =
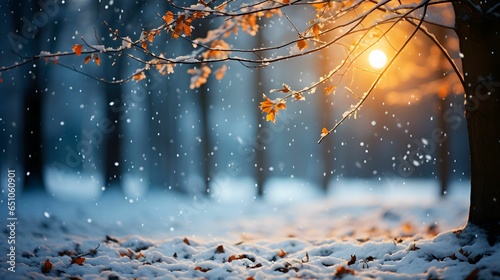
x=302 y=44
x=144 y=45
x=140 y=255
x=315 y=30
x=282 y=254
x=168 y=17
x=324 y=132
x=219 y=73
x=139 y=76
x=219 y=249
x=202 y=269
x=329 y=90
x=186 y=241
x=87 y=59
x=47 y=266
x=221 y=6
x=77 y=48
x=271 y=107
x=341 y=271
x=78 y=260
x=97 y=60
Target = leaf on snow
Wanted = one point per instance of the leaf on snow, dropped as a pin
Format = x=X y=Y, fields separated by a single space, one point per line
x=186 y=241
x=219 y=249
x=47 y=266
x=282 y=254
x=78 y=260
x=77 y=48
x=352 y=260
x=199 y=268
x=239 y=257
x=341 y=271
x=414 y=247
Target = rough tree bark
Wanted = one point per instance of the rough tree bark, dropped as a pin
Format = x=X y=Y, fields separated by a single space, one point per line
x=478 y=30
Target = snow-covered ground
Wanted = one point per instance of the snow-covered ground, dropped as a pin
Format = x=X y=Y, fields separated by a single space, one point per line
x=360 y=229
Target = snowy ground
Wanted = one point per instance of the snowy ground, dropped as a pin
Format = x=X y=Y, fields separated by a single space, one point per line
x=361 y=229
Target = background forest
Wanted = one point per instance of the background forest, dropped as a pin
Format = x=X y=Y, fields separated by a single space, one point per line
x=60 y=125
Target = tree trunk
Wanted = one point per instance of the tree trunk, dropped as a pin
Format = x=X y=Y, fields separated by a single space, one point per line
x=479 y=34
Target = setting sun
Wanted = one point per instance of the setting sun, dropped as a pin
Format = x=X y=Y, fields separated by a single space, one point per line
x=377 y=59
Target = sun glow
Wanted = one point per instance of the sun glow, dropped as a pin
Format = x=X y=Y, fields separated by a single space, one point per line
x=377 y=59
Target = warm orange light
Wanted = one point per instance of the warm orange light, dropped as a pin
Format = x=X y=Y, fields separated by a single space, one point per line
x=377 y=59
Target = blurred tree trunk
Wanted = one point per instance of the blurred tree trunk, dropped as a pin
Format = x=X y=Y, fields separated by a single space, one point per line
x=443 y=157
x=260 y=156
x=479 y=34
x=206 y=140
x=443 y=149
x=112 y=144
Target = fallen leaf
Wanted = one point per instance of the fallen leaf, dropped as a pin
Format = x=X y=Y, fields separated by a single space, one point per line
x=219 y=249
x=414 y=247
x=140 y=255
x=282 y=254
x=78 y=260
x=352 y=260
x=255 y=266
x=239 y=257
x=47 y=266
x=186 y=241
x=77 y=48
x=341 y=271
x=129 y=253
x=202 y=269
